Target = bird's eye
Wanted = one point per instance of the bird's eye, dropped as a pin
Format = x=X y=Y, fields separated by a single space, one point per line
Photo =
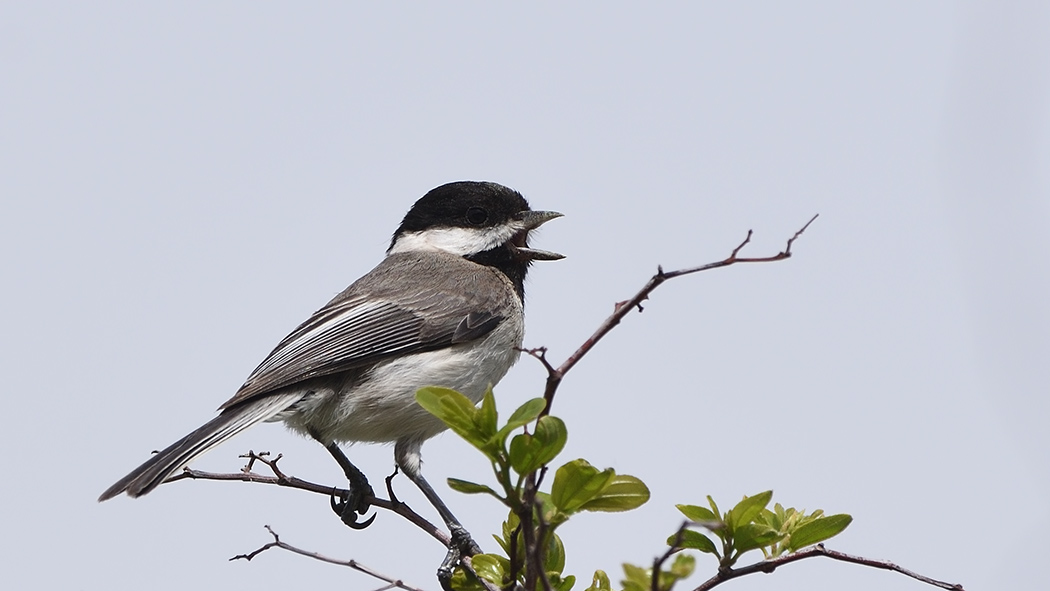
x=477 y=216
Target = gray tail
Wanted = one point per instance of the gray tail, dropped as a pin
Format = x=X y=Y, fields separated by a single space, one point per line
x=230 y=422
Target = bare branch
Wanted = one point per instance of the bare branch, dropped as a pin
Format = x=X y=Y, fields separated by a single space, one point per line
x=555 y=375
x=540 y=353
x=658 y=562
x=392 y=583
x=281 y=479
x=768 y=566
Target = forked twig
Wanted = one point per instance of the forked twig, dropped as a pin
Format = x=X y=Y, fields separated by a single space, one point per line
x=768 y=566
x=281 y=479
x=658 y=562
x=392 y=583
x=555 y=375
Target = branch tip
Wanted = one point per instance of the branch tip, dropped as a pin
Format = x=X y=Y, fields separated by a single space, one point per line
x=540 y=354
x=732 y=255
x=770 y=565
x=621 y=309
x=391 y=583
x=787 y=250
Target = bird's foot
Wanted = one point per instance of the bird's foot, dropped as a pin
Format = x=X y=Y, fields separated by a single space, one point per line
x=353 y=503
x=461 y=545
x=358 y=499
x=462 y=541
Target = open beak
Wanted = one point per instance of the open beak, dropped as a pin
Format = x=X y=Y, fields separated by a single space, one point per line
x=533 y=220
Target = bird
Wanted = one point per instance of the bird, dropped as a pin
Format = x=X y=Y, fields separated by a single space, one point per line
x=445 y=307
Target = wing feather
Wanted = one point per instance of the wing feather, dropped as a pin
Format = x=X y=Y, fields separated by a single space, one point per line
x=365 y=324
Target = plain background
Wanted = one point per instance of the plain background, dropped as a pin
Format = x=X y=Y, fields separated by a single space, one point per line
x=184 y=183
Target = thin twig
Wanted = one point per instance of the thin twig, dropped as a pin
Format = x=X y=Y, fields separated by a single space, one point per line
x=282 y=479
x=658 y=562
x=540 y=353
x=392 y=583
x=622 y=309
x=768 y=566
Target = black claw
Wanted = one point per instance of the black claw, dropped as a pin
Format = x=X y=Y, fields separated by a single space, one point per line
x=448 y=568
x=348 y=510
x=356 y=501
x=459 y=546
x=354 y=524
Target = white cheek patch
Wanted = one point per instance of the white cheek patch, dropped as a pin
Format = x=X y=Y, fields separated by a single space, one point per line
x=457 y=241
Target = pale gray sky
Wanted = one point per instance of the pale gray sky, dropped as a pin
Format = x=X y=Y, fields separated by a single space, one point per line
x=183 y=184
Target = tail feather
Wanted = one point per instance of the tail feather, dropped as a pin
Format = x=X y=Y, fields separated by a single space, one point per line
x=232 y=421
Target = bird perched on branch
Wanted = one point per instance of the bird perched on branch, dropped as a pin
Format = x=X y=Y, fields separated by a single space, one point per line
x=444 y=308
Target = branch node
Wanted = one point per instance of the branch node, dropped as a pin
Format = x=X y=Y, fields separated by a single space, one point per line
x=771 y=564
x=277 y=543
x=390 y=487
x=621 y=309
x=732 y=255
x=540 y=353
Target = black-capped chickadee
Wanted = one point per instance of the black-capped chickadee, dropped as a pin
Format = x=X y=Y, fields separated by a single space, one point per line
x=444 y=308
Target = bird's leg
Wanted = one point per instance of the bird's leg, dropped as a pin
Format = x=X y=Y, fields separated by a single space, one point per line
x=461 y=544
x=357 y=501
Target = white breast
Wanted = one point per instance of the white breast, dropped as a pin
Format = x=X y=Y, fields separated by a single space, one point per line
x=382 y=406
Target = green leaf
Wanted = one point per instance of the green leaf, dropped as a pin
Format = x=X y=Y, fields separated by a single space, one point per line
x=622 y=493
x=577 y=482
x=529 y=452
x=683 y=566
x=455 y=410
x=750 y=536
x=485 y=418
x=818 y=530
x=551 y=431
x=502 y=543
x=600 y=582
x=464 y=581
x=695 y=540
x=782 y=513
x=767 y=517
x=793 y=519
x=561 y=584
x=636 y=578
x=525 y=414
x=510 y=531
x=747 y=509
x=522 y=453
x=554 y=561
x=699 y=514
x=714 y=507
x=470 y=488
x=547 y=508
x=489 y=567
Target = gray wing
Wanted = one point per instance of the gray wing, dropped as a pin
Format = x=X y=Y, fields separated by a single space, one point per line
x=361 y=326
